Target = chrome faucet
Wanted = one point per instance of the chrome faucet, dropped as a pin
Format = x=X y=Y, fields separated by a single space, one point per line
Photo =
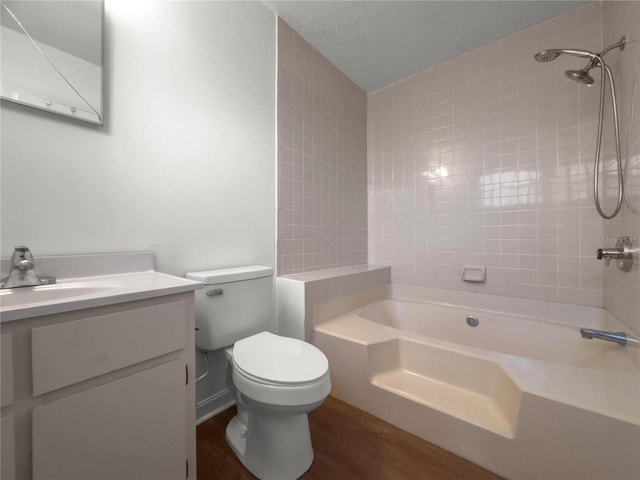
x=617 y=337
x=622 y=253
x=22 y=272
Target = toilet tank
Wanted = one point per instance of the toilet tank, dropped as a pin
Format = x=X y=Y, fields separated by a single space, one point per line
x=235 y=303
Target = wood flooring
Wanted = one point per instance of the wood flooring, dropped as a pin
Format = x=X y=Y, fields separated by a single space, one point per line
x=348 y=444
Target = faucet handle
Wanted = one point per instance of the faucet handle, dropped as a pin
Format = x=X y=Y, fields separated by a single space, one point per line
x=21 y=252
x=622 y=253
x=602 y=255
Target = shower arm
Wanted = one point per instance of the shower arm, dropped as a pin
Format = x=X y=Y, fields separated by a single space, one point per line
x=596 y=60
x=619 y=44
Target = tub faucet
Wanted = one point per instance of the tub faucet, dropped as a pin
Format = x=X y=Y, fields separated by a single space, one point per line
x=617 y=337
x=22 y=271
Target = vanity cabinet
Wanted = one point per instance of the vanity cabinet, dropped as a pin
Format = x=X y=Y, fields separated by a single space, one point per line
x=101 y=393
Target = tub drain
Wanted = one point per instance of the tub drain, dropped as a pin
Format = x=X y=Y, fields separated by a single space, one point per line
x=473 y=321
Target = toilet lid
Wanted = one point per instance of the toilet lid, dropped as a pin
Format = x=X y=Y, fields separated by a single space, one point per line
x=279 y=359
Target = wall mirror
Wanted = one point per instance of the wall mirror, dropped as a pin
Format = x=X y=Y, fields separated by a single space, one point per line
x=52 y=56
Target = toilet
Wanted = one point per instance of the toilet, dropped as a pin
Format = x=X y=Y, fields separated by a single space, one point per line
x=276 y=381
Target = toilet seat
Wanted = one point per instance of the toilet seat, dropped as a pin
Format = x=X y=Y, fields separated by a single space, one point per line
x=277 y=360
x=280 y=370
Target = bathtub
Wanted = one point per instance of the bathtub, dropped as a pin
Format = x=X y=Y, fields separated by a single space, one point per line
x=521 y=393
x=511 y=334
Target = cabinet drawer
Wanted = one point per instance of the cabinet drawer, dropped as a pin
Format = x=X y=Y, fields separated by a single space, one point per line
x=70 y=352
x=6 y=369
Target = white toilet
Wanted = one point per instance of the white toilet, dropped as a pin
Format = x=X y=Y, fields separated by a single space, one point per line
x=276 y=380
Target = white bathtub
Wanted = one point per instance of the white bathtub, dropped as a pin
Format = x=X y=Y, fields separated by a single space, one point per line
x=540 y=339
x=522 y=393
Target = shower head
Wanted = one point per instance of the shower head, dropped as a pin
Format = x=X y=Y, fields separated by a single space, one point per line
x=553 y=53
x=546 y=56
x=595 y=60
x=580 y=76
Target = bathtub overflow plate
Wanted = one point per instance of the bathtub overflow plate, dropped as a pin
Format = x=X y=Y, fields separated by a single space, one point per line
x=473 y=321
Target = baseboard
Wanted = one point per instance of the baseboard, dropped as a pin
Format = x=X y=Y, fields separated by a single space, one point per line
x=213 y=405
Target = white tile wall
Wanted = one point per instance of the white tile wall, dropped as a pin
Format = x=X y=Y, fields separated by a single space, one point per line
x=300 y=293
x=484 y=160
x=487 y=160
x=322 y=183
x=622 y=290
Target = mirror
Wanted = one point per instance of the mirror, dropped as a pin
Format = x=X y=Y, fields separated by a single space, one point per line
x=52 y=56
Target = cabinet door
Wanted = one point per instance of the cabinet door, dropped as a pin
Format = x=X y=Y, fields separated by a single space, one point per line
x=132 y=428
x=6 y=369
x=7 y=448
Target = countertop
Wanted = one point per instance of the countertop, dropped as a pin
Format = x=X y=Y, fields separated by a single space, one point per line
x=102 y=281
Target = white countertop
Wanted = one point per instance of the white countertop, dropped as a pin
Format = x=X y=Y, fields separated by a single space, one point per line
x=90 y=288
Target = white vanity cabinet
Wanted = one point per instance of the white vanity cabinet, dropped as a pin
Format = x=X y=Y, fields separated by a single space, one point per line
x=106 y=392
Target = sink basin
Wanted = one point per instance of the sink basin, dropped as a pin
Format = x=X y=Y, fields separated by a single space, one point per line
x=50 y=293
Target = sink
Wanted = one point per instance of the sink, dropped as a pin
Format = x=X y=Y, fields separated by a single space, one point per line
x=49 y=293
x=88 y=281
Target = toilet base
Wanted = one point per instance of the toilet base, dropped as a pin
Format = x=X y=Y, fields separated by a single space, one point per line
x=272 y=445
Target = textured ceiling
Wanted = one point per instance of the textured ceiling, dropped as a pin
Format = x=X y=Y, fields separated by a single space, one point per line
x=376 y=43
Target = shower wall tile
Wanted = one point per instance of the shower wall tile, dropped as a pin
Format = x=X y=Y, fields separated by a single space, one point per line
x=622 y=289
x=322 y=181
x=487 y=160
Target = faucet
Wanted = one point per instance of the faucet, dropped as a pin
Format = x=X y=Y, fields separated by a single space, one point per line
x=22 y=271
x=622 y=253
x=617 y=337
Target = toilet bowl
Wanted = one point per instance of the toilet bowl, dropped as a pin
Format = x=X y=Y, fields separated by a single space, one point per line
x=276 y=381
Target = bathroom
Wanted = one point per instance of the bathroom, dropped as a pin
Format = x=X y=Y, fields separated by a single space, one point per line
x=195 y=116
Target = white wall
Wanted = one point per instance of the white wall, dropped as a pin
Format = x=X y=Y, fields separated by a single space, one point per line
x=185 y=163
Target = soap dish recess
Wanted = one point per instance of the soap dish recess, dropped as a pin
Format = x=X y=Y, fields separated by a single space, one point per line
x=473 y=273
